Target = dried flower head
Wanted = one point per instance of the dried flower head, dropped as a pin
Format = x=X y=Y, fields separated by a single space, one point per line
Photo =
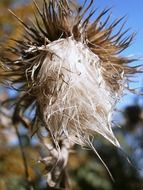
x=68 y=68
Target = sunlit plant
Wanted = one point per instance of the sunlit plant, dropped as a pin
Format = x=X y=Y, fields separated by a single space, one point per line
x=68 y=68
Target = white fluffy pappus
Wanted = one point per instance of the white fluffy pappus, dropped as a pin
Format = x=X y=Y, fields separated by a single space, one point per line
x=72 y=93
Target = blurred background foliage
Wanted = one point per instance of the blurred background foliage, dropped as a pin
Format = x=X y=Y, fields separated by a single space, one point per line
x=85 y=170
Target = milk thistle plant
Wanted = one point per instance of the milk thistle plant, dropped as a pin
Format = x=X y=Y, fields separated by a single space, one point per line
x=69 y=70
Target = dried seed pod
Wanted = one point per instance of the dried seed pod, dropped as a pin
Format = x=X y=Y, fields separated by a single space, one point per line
x=69 y=70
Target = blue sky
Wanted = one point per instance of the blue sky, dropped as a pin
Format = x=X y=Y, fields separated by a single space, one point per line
x=133 y=10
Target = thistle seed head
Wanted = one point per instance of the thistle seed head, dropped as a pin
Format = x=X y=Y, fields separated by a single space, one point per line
x=69 y=69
